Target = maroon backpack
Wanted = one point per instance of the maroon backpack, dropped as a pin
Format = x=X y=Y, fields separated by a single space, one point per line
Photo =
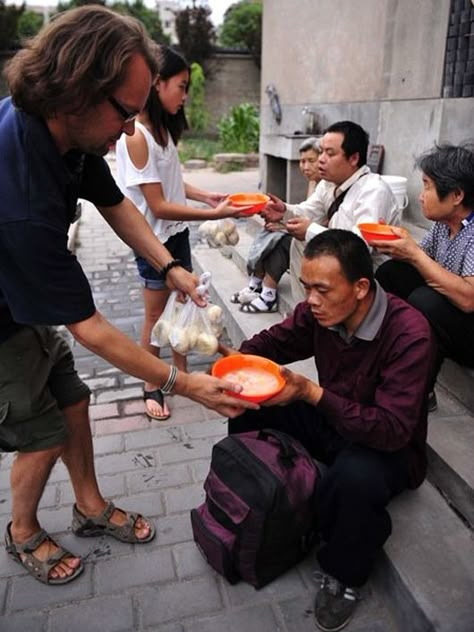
x=258 y=519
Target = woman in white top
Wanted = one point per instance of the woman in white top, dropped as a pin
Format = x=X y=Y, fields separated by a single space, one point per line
x=149 y=173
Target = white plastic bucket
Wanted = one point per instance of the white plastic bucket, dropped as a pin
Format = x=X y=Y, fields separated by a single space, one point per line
x=398 y=184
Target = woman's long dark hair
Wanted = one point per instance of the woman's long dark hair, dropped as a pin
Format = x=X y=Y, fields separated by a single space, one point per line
x=170 y=64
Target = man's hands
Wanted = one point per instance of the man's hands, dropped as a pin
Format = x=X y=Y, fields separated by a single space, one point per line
x=210 y=391
x=273 y=210
x=297 y=227
x=297 y=387
x=186 y=282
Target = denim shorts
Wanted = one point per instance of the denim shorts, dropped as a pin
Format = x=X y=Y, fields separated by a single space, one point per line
x=37 y=380
x=179 y=248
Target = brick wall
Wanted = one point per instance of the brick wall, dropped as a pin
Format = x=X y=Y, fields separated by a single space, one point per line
x=233 y=78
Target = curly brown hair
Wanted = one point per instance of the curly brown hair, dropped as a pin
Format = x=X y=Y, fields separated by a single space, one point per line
x=76 y=61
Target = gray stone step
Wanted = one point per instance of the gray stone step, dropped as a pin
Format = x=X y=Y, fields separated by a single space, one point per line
x=429 y=538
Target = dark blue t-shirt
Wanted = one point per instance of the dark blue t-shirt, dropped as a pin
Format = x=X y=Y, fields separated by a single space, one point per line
x=41 y=281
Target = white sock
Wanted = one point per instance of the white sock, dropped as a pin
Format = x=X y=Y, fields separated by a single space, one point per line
x=268 y=293
x=255 y=282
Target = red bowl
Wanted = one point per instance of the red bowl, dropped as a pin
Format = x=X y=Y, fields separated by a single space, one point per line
x=260 y=377
x=381 y=232
x=256 y=200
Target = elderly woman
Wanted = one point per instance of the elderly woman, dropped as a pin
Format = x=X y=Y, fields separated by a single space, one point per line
x=269 y=255
x=437 y=275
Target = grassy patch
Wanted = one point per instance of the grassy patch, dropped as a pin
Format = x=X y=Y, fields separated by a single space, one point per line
x=200 y=148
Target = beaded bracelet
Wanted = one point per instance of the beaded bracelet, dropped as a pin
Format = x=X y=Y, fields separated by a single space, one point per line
x=171 y=264
x=170 y=382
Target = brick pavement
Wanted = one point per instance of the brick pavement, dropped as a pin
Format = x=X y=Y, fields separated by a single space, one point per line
x=156 y=468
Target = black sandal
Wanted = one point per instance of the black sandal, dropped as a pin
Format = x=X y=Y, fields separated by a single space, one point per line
x=156 y=396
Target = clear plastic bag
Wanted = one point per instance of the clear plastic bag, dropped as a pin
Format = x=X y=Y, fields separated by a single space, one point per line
x=220 y=232
x=197 y=328
x=160 y=335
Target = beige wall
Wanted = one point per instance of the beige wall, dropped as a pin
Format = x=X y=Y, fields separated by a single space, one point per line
x=354 y=50
x=379 y=63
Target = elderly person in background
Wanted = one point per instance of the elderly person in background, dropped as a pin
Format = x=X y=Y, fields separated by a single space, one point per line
x=347 y=195
x=269 y=255
x=437 y=275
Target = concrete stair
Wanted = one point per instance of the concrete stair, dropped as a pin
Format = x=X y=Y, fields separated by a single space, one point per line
x=427 y=571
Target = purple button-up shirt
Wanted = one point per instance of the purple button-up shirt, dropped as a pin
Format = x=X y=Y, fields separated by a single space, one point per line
x=375 y=383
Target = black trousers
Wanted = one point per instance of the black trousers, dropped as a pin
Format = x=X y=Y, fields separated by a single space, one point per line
x=353 y=494
x=454 y=328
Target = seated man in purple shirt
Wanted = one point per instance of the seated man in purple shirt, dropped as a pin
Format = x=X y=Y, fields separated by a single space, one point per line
x=366 y=419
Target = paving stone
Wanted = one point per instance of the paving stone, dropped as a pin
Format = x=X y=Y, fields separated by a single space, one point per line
x=43 y=596
x=159 y=478
x=95 y=549
x=217 y=429
x=187 y=414
x=104 y=614
x=126 y=461
x=260 y=619
x=121 y=424
x=179 y=600
x=48 y=499
x=32 y=622
x=187 y=451
x=101 y=382
x=111 y=486
x=151 y=566
x=153 y=437
x=103 y=411
x=287 y=585
x=106 y=445
x=8 y=567
x=118 y=394
x=173 y=529
x=166 y=628
x=55 y=520
x=200 y=469
x=147 y=504
x=133 y=407
x=3 y=595
x=183 y=499
x=189 y=561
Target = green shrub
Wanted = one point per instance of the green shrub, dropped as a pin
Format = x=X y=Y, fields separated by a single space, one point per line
x=239 y=131
x=201 y=148
x=196 y=111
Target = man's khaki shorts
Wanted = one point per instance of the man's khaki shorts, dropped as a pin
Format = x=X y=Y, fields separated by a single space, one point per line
x=37 y=380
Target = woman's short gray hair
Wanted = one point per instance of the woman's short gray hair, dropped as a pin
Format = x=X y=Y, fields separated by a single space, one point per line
x=310 y=143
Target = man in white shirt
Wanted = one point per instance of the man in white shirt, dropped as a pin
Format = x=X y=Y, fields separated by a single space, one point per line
x=348 y=194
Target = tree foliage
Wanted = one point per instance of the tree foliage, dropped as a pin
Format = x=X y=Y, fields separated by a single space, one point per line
x=242 y=27
x=9 y=16
x=148 y=17
x=196 y=33
x=196 y=111
x=29 y=24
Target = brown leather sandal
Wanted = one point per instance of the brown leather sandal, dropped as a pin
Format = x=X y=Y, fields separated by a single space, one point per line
x=39 y=569
x=88 y=526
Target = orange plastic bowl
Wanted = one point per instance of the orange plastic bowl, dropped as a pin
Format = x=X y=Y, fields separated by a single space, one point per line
x=381 y=232
x=242 y=362
x=256 y=200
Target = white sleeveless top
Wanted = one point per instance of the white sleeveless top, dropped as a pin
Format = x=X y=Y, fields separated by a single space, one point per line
x=163 y=166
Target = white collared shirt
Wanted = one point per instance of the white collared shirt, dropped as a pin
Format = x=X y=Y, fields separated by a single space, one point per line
x=368 y=200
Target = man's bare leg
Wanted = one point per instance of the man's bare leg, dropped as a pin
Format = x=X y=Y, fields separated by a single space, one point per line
x=29 y=474
x=78 y=456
